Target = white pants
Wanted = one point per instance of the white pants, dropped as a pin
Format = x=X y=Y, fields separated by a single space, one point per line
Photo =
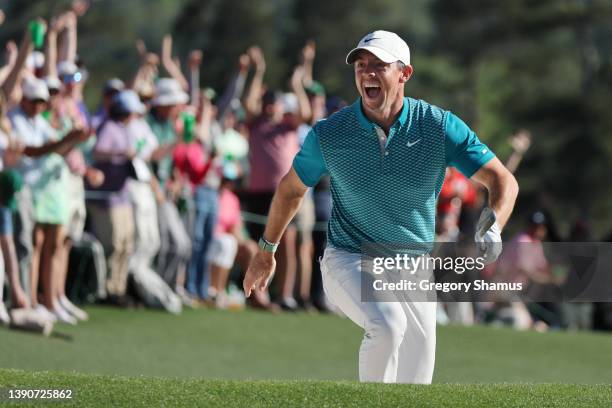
x=400 y=337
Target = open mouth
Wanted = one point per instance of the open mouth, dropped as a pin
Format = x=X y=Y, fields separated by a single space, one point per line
x=372 y=91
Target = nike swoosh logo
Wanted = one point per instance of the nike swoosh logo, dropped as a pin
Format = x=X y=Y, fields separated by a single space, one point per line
x=413 y=143
x=370 y=39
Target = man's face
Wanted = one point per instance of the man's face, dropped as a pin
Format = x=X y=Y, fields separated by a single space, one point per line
x=167 y=112
x=380 y=84
x=33 y=108
x=273 y=110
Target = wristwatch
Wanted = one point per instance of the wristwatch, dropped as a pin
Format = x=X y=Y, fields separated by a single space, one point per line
x=267 y=246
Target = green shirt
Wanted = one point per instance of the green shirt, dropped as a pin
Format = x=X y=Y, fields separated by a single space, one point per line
x=165 y=134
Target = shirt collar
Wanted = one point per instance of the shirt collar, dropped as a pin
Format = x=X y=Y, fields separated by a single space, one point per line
x=367 y=124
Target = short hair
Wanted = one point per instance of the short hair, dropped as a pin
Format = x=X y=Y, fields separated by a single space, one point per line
x=400 y=65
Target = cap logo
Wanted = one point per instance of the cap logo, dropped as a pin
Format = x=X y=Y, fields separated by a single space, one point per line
x=367 y=40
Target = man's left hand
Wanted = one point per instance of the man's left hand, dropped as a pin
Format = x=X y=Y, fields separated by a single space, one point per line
x=488 y=236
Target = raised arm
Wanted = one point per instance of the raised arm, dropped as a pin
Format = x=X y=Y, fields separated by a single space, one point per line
x=195 y=61
x=168 y=63
x=252 y=103
x=285 y=204
x=145 y=74
x=11 y=58
x=204 y=121
x=297 y=85
x=55 y=27
x=16 y=74
x=68 y=38
x=235 y=88
x=308 y=56
x=520 y=144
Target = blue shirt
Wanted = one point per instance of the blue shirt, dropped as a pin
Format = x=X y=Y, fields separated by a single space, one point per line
x=385 y=187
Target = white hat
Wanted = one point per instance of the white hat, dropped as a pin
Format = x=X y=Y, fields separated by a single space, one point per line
x=290 y=102
x=34 y=88
x=53 y=83
x=127 y=101
x=387 y=46
x=169 y=92
x=35 y=60
x=66 y=68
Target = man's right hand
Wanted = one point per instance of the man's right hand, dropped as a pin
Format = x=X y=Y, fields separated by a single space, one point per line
x=259 y=273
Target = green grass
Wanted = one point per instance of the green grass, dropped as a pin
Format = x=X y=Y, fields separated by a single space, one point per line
x=256 y=345
x=104 y=391
x=148 y=358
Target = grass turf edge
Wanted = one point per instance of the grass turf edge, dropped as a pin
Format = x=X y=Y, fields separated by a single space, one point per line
x=102 y=390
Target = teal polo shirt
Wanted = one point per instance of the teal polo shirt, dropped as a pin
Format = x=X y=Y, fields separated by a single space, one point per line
x=384 y=187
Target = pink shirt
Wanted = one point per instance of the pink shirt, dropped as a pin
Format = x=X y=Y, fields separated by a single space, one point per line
x=191 y=160
x=229 y=212
x=272 y=148
x=524 y=253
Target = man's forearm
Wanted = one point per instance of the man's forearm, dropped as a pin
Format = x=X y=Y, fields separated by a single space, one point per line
x=285 y=204
x=53 y=147
x=253 y=100
x=502 y=196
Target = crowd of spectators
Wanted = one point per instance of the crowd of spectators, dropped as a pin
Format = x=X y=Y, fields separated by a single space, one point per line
x=158 y=196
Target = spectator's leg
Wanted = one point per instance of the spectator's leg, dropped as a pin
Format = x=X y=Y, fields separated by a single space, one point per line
x=195 y=268
x=99 y=261
x=19 y=299
x=35 y=263
x=287 y=265
x=123 y=243
x=222 y=255
x=53 y=237
x=305 y=249
x=62 y=269
x=212 y=209
x=322 y=201
x=176 y=244
x=24 y=228
x=305 y=258
x=164 y=234
x=103 y=230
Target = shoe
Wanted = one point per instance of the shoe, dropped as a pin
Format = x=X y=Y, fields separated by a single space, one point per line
x=308 y=306
x=63 y=316
x=74 y=311
x=4 y=316
x=262 y=302
x=45 y=313
x=289 y=304
x=322 y=306
x=30 y=320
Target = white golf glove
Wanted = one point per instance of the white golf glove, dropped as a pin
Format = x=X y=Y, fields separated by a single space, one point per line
x=488 y=236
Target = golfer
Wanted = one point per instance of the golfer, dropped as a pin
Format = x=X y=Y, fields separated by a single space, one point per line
x=386 y=156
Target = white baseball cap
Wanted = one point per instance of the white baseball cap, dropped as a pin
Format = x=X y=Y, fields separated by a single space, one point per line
x=65 y=68
x=127 y=101
x=169 y=92
x=53 y=83
x=35 y=89
x=35 y=60
x=387 y=46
